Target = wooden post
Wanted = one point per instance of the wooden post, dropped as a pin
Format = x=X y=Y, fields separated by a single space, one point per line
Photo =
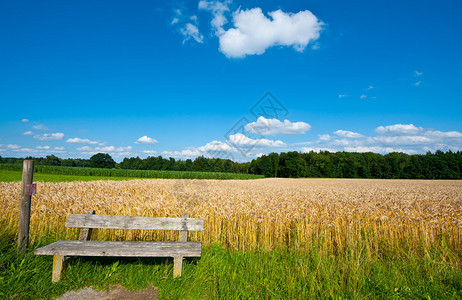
x=178 y=260
x=24 y=207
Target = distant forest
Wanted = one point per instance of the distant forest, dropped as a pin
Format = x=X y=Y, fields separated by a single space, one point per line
x=438 y=165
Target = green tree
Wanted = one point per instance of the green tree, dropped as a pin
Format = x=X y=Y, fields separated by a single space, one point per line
x=102 y=160
x=52 y=160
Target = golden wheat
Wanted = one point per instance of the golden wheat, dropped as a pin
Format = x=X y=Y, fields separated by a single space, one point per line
x=260 y=214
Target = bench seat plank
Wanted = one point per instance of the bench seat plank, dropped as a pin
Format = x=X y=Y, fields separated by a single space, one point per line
x=130 y=222
x=121 y=248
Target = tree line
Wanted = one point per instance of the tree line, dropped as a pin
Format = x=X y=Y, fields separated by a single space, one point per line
x=437 y=165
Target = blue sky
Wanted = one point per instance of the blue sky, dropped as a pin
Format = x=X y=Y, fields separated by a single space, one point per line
x=145 y=78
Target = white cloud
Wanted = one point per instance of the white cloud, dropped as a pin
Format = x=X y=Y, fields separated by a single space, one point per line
x=12 y=146
x=403 y=140
x=121 y=154
x=378 y=149
x=77 y=140
x=123 y=149
x=440 y=134
x=49 y=136
x=25 y=120
x=28 y=133
x=84 y=148
x=253 y=32
x=324 y=137
x=174 y=21
x=265 y=126
x=399 y=129
x=149 y=151
x=218 y=10
x=191 y=31
x=39 y=127
x=241 y=140
x=342 y=96
x=348 y=134
x=59 y=148
x=369 y=88
x=417 y=73
x=43 y=147
x=347 y=142
x=362 y=96
x=418 y=83
x=89 y=153
x=146 y=140
x=106 y=149
x=186 y=153
x=217 y=146
x=309 y=149
x=27 y=150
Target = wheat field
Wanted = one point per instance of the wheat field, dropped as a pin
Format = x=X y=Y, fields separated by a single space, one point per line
x=338 y=214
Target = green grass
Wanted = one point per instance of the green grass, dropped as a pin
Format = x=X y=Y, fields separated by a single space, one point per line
x=229 y=274
x=11 y=176
x=113 y=174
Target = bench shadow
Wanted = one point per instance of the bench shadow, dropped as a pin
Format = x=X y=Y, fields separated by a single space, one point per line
x=109 y=260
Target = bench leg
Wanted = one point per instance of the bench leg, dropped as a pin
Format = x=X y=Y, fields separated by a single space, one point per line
x=59 y=267
x=177 y=266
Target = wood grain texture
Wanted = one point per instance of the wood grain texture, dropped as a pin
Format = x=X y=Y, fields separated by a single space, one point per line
x=24 y=207
x=177 y=266
x=184 y=233
x=129 y=222
x=59 y=267
x=121 y=249
x=85 y=233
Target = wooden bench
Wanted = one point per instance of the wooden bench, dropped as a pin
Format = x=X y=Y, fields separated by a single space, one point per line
x=61 y=250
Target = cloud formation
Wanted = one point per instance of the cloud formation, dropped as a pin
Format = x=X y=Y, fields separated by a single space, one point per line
x=77 y=140
x=39 y=127
x=240 y=140
x=348 y=134
x=218 y=10
x=191 y=31
x=253 y=32
x=49 y=136
x=265 y=126
x=398 y=129
x=146 y=140
x=406 y=138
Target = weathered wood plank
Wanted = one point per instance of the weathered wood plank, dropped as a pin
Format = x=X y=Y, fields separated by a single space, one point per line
x=129 y=222
x=85 y=233
x=127 y=249
x=184 y=233
x=24 y=207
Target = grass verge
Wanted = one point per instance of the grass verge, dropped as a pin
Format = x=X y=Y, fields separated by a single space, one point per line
x=12 y=176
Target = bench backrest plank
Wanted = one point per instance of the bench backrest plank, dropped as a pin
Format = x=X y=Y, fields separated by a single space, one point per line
x=129 y=222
